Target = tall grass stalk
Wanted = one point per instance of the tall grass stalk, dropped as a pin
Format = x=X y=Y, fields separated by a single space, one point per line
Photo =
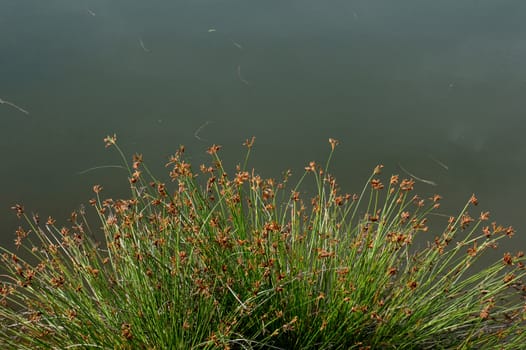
x=243 y=262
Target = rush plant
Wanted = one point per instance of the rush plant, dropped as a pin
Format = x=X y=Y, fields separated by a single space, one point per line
x=242 y=262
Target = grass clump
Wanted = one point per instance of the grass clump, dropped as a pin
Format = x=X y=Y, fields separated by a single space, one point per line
x=242 y=262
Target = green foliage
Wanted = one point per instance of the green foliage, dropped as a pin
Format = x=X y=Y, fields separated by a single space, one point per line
x=244 y=262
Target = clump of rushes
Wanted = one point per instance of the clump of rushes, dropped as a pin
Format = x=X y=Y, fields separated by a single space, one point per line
x=240 y=262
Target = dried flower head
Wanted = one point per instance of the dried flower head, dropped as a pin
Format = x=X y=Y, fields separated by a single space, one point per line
x=213 y=149
x=19 y=210
x=378 y=169
x=473 y=200
x=311 y=167
x=110 y=140
x=376 y=184
x=407 y=185
x=249 y=143
x=333 y=143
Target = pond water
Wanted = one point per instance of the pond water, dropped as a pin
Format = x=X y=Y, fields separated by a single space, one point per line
x=433 y=87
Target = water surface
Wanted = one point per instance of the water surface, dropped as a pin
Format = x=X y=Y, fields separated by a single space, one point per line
x=397 y=82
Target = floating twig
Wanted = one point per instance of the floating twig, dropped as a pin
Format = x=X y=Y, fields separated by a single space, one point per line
x=196 y=133
x=4 y=102
x=100 y=167
x=439 y=162
x=236 y=44
x=211 y=30
x=91 y=12
x=440 y=214
x=429 y=182
x=243 y=80
x=141 y=43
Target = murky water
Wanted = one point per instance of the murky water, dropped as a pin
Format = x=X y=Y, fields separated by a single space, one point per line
x=436 y=87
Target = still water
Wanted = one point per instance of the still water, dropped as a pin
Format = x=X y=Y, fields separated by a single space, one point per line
x=435 y=87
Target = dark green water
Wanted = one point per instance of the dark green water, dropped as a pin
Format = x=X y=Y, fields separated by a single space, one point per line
x=397 y=82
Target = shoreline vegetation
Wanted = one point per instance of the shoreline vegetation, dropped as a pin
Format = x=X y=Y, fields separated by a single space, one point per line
x=219 y=261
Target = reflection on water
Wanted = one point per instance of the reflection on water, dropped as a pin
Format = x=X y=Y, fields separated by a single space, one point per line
x=436 y=86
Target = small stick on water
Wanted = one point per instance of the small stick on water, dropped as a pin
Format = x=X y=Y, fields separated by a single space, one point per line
x=440 y=214
x=236 y=44
x=100 y=167
x=4 y=102
x=196 y=133
x=141 y=43
x=243 y=80
x=439 y=162
x=429 y=182
x=91 y=12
